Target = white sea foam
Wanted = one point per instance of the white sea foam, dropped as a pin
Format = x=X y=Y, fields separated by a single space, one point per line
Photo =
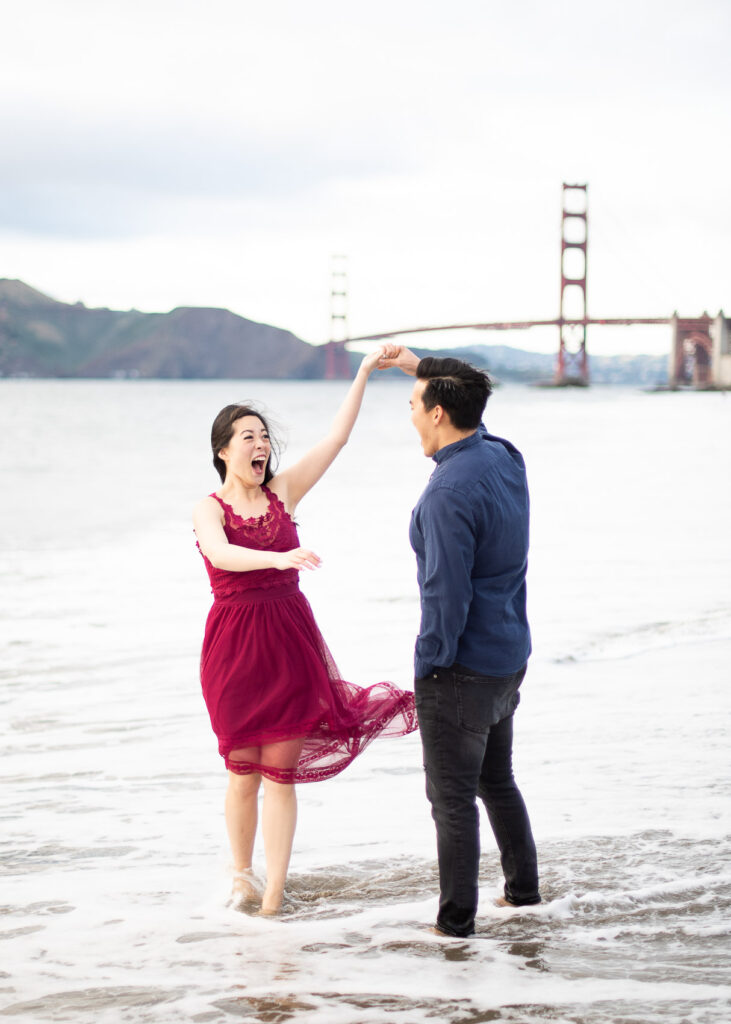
x=114 y=864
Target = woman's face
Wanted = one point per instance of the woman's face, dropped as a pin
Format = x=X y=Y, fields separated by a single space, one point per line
x=247 y=453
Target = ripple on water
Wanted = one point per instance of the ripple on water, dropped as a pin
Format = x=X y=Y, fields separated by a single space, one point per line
x=60 y=1006
x=631 y=932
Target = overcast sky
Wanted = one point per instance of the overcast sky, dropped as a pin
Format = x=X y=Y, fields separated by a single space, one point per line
x=168 y=152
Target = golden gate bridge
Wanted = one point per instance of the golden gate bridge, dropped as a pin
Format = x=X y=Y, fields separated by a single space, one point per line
x=700 y=346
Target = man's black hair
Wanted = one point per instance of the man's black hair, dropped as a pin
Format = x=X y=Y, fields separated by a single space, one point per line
x=461 y=390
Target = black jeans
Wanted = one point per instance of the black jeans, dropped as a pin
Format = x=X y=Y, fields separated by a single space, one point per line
x=466 y=726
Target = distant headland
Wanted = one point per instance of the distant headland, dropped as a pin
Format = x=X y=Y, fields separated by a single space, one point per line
x=41 y=337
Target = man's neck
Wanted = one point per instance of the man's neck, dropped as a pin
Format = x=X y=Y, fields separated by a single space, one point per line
x=448 y=434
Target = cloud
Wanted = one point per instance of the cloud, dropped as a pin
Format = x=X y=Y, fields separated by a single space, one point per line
x=164 y=153
x=96 y=178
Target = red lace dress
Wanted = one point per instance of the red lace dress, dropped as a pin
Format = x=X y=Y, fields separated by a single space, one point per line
x=275 y=697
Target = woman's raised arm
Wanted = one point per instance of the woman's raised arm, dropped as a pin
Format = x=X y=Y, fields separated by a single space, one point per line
x=292 y=484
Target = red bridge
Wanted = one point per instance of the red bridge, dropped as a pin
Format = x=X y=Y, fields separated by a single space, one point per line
x=700 y=347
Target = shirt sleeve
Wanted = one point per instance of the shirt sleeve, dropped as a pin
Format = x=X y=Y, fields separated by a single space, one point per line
x=448 y=530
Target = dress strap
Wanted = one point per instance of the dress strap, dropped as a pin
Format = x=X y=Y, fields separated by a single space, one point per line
x=238 y=522
x=277 y=505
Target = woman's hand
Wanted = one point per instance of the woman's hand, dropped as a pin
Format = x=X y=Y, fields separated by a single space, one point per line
x=297 y=558
x=372 y=360
x=400 y=356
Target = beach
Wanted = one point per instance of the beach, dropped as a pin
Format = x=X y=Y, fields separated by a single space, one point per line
x=113 y=856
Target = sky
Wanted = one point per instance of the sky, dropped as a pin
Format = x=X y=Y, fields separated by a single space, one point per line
x=174 y=153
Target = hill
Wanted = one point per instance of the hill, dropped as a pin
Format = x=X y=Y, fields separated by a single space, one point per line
x=41 y=337
x=505 y=363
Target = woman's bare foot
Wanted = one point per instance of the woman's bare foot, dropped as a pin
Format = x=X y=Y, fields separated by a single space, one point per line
x=246 y=889
x=271 y=902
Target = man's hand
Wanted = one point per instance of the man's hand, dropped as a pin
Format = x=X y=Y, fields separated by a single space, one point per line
x=400 y=356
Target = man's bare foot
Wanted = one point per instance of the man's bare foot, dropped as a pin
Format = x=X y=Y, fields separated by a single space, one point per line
x=500 y=901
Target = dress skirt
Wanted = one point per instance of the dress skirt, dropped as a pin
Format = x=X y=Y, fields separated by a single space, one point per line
x=274 y=694
x=277 y=703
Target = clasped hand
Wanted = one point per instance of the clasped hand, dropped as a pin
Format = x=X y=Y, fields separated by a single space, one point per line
x=386 y=356
x=398 y=356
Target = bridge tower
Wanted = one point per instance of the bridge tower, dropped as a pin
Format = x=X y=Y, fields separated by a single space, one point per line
x=337 y=363
x=691 y=356
x=572 y=366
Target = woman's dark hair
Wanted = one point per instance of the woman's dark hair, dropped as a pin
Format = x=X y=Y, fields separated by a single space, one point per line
x=223 y=429
x=460 y=389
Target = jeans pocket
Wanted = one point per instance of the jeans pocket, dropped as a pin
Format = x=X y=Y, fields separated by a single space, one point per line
x=474 y=707
x=483 y=701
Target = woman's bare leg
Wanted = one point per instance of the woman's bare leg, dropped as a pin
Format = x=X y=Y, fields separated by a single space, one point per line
x=279 y=819
x=241 y=820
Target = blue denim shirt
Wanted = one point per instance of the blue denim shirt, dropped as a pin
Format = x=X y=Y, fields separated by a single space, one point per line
x=469 y=531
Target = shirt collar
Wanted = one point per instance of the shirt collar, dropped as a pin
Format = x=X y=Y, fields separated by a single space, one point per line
x=456 y=446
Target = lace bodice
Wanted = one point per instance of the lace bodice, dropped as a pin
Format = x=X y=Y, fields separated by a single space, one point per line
x=273 y=531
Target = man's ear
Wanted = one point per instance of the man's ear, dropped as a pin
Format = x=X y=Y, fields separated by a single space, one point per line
x=437 y=415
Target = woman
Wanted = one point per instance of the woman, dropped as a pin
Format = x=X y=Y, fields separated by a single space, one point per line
x=278 y=706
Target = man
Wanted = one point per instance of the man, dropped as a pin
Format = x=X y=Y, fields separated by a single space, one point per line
x=469 y=532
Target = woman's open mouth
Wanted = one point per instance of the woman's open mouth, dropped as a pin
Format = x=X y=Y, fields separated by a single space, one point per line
x=259 y=464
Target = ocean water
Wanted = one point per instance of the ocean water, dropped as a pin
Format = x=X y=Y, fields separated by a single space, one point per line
x=113 y=859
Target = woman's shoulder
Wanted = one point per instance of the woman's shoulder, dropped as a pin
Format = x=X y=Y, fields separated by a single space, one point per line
x=278 y=486
x=207 y=506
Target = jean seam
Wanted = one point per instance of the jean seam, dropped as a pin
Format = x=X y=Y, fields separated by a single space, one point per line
x=451 y=815
x=506 y=832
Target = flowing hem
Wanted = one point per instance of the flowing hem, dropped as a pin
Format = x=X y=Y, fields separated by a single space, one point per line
x=326 y=752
